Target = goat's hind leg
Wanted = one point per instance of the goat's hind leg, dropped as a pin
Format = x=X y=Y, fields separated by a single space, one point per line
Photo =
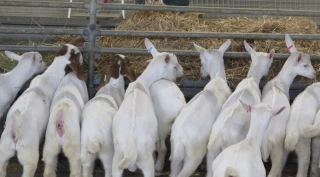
x=6 y=152
x=303 y=152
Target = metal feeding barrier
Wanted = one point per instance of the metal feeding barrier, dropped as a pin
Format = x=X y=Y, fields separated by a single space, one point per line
x=92 y=32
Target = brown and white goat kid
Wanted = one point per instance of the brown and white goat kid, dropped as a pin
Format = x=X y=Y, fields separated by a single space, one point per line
x=163 y=92
x=274 y=142
x=135 y=124
x=28 y=118
x=63 y=130
x=188 y=146
x=30 y=63
x=98 y=113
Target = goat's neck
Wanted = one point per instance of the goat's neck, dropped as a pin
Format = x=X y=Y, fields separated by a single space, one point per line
x=53 y=76
x=286 y=77
x=19 y=75
x=255 y=75
x=116 y=90
x=220 y=73
x=256 y=131
x=149 y=78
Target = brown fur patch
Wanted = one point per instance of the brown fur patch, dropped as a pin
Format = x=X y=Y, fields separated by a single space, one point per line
x=126 y=71
x=62 y=51
x=75 y=65
x=111 y=71
x=78 y=41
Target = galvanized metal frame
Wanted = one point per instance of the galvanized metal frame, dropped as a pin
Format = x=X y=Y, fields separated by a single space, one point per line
x=92 y=31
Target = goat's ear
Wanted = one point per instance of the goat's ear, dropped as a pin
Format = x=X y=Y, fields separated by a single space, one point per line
x=290 y=44
x=167 y=58
x=34 y=57
x=150 y=47
x=271 y=54
x=249 y=49
x=277 y=111
x=75 y=64
x=298 y=58
x=12 y=55
x=225 y=46
x=199 y=48
x=246 y=106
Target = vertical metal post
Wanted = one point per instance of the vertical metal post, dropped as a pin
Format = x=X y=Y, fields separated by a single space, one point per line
x=91 y=32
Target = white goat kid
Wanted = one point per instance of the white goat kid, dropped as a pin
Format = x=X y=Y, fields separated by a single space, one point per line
x=98 y=113
x=303 y=113
x=233 y=122
x=244 y=158
x=313 y=131
x=30 y=63
x=135 y=124
x=273 y=143
x=163 y=92
x=63 y=131
x=28 y=118
x=188 y=147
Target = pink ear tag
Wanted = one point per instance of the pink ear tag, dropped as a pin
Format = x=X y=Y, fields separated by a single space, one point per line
x=250 y=108
x=290 y=47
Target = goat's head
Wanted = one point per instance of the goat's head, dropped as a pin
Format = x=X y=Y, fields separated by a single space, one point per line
x=212 y=59
x=33 y=59
x=119 y=67
x=299 y=61
x=261 y=112
x=78 y=41
x=171 y=67
x=260 y=61
x=74 y=59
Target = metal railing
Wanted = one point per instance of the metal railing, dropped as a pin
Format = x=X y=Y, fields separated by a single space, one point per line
x=92 y=31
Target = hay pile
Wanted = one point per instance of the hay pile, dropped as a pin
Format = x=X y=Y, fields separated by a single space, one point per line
x=236 y=69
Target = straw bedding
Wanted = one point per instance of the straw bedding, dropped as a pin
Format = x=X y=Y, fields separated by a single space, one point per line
x=236 y=69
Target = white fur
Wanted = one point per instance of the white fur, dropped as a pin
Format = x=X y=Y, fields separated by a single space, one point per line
x=188 y=146
x=307 y=132
x=303 y=112
x=232 y=124
x=96 y=133
x=30 y=63
x=273 y=142
x=135 y=124
x=168 y=101
x=30 y=113
x=244 y=158
x=70 y=97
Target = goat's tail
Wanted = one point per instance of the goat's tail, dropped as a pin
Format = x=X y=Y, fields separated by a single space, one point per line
x=177 y=150
x=291 y=140
x=131 y=152
x=215 y=142
x=61 y=117
x=130 y=156
x=231 y=172
x=266 y=147
x=310 y=131
x=16 y=125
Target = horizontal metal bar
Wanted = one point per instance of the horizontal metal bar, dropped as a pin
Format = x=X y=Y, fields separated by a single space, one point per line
x=51 y=4
x=232 y=55
x=57 y=31
x=208 y=35
x=215 y=10
x=47 y=31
